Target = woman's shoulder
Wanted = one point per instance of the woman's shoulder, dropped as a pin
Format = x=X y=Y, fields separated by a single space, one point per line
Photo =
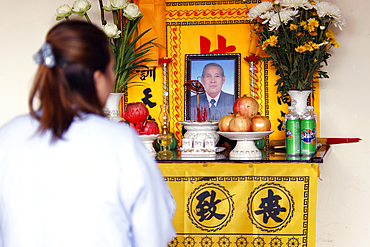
x=18 y=123
x=101 y=127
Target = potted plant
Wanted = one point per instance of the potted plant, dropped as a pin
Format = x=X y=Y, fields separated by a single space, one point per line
x=295 y=35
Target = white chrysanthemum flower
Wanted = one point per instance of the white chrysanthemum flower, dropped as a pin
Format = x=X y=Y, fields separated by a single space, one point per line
x=81 y=6
x=295 y=4
x=111 y=30
x=259 y=9
x=284 y=16
x=132 y=11
x=274 y=22
x=331 y=10
x=287 y=14
x=63 y=11
x=267 y=16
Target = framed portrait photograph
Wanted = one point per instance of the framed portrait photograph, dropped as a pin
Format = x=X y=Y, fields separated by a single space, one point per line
x=219 y=75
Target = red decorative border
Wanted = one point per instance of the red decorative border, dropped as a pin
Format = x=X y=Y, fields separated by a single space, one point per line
x=177 y=98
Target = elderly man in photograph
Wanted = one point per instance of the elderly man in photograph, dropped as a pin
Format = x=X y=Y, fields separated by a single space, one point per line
x=220 y=103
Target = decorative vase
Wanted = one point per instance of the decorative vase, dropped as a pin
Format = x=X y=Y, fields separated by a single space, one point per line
x=299 y=99
x=111 y=108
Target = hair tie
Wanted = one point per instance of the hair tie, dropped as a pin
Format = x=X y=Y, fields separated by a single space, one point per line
x=45 y=55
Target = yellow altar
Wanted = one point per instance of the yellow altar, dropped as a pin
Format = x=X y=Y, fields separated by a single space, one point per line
x=243 y=203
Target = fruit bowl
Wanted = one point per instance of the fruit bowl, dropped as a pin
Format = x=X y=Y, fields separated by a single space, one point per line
x=148 y=143
x=245 y=147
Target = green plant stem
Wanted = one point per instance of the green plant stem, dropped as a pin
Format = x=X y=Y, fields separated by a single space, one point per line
x=87 y=18
x=102 y=18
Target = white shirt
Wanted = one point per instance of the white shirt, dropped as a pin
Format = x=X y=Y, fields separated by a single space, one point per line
x=97 y=187
x=209 y=98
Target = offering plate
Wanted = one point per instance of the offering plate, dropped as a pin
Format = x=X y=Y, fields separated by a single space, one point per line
x=148 y=143
x=245 y=147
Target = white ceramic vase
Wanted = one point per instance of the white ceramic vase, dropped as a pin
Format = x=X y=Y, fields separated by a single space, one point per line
x=299 y=100
x=111 y=108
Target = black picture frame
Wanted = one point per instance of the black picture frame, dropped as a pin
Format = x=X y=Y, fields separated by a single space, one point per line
x=194 y=64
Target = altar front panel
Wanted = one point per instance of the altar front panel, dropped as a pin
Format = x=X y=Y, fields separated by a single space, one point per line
x=243 y=204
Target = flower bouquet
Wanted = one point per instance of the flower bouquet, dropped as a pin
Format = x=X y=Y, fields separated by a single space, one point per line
x=123 y=36
x=295 y=35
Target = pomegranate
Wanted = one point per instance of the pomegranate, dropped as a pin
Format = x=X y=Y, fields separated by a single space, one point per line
x=224 y=123
x=261 y=123
x=147 y=127
x=246 y=106
x=240 y=124
x=135 y=112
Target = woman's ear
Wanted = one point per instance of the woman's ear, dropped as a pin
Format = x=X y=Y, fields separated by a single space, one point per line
x=101 y=86
x=99 y=80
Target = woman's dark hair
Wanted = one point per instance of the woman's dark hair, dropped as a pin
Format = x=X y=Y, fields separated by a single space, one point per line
x=68 y=89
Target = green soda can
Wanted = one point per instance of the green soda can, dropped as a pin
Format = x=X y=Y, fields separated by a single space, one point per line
x=292 y=133
x=308 y=132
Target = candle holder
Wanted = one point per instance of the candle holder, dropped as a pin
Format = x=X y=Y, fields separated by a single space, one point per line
x=253 y=75
x=164 y=138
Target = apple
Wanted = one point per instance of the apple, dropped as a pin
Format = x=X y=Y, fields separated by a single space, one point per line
x=224 y=123
x=240 y=124
x=246 y=106
x=261 y=123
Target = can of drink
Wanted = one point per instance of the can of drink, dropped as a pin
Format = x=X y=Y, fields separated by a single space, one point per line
x=308 y=133
x=292 y=133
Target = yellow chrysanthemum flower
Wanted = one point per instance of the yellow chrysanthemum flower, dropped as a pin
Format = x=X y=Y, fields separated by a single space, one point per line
x=313 y=33
x=299 y=34
x=303 y=23
x=264 y=44
x=300 y=49
x=334 y=43
x=307 y=47
x=314 y=46
x=293 y=27
x=273 y=40
x=315 y=60
x=313 y=22
x=329 y=35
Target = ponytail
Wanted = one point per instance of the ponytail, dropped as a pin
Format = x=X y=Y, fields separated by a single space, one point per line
x=68 y=89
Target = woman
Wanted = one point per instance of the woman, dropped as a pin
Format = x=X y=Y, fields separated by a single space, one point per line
x=68 y=176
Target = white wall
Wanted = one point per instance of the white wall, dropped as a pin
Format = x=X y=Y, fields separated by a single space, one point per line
x=343 y=213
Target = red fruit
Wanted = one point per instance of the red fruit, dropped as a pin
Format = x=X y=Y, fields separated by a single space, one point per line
x=240 y=124
x=135 y=112
x=246 y=106
x=147 y=128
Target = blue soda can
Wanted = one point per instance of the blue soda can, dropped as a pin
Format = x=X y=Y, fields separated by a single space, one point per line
x=308 y=132
x=292 y=133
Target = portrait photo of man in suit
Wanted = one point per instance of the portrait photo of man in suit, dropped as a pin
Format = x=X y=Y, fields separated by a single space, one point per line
x=220 y=102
